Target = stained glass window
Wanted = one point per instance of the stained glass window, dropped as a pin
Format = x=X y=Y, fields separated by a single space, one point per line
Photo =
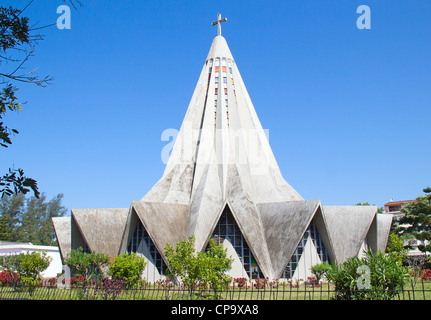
x=227 y=229
x=135 y=243
x=314 y=234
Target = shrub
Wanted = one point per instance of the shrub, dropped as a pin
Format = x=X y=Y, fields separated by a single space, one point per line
x=128 y=267
x=74 y=281
x=261 y=283
x=241 y=282
x=197 y=269
x=319 y=270
x=24 y=268
x=426 y=274
x=86 y=264
x=110 y=288
x=312 y=281
x=31 y=265
x=375 y=276
x=8 y=278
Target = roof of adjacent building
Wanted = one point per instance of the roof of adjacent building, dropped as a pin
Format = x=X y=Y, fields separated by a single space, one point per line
x=398 y=203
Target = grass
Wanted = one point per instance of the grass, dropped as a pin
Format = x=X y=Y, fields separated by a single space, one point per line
x=420 y=291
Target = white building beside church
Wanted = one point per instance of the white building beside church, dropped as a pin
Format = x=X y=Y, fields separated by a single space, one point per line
x=223 y=181
x=55 y=266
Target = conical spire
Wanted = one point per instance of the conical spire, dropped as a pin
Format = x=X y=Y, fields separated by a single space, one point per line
x=221 y=128
x=222 y=157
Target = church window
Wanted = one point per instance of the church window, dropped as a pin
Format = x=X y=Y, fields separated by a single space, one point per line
x=224 y=80
x=313 y=234
x=223 y=69
x=217 y=65
x=216 y=79
x=227 y=229
x=141 y=236
x=225 y=90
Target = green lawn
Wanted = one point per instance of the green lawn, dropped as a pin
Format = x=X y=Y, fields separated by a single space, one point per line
x=421 y=291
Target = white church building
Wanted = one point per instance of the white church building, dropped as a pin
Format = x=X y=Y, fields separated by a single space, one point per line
x=222 y=181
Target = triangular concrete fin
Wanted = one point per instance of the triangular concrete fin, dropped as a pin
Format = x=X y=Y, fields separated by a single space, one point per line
x=284 y=224
x=62 y=229
x=379 y=232
x=206 y=206
x=164 y=222
x=384 y=222
x=175 y=187
x=102 y=229
x=347 y=227
x=247 y=217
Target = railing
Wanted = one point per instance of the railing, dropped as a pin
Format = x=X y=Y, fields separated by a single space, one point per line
x=410 y=291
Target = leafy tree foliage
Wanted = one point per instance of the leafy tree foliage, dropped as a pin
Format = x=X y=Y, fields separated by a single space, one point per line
x=86 y=264
x=416 y=222
x=17 y=45
x=26 y=268
x=197 y=269
x=396 y=247
x=29 y=219
x=376 y=276
x=128 y=267
x=379 y=210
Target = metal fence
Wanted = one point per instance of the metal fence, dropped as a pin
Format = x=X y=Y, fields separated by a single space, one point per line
x=420 y=290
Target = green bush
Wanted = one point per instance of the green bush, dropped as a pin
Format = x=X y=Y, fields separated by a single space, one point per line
x=374 y=277
x=27 y=266
x=319 y=270
x=128 y=267
x=87 y=265
x=199 y=269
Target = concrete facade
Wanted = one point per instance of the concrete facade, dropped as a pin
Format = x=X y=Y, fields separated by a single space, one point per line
x=222 y=159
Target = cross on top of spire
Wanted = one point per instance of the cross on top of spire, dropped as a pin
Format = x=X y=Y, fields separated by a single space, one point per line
x=218 y=22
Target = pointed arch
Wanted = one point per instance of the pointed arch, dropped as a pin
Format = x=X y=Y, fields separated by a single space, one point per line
x=227 y=230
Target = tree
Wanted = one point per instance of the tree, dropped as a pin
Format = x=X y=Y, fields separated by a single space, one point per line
x=182 y=262
x=197 y=269
x=396 y=247
x=416 y=221
x=86 y=264
x=376 y=276
x=319 y=270
x=17 y=45
x=127 y=267
x=15 y=36
x=5 y=234
x=215 y=263
x=379 y=210
x=31 y=265
x=27 y=266
x=29 y=219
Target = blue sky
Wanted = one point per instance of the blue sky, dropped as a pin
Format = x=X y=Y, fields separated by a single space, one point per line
x=348 y=110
